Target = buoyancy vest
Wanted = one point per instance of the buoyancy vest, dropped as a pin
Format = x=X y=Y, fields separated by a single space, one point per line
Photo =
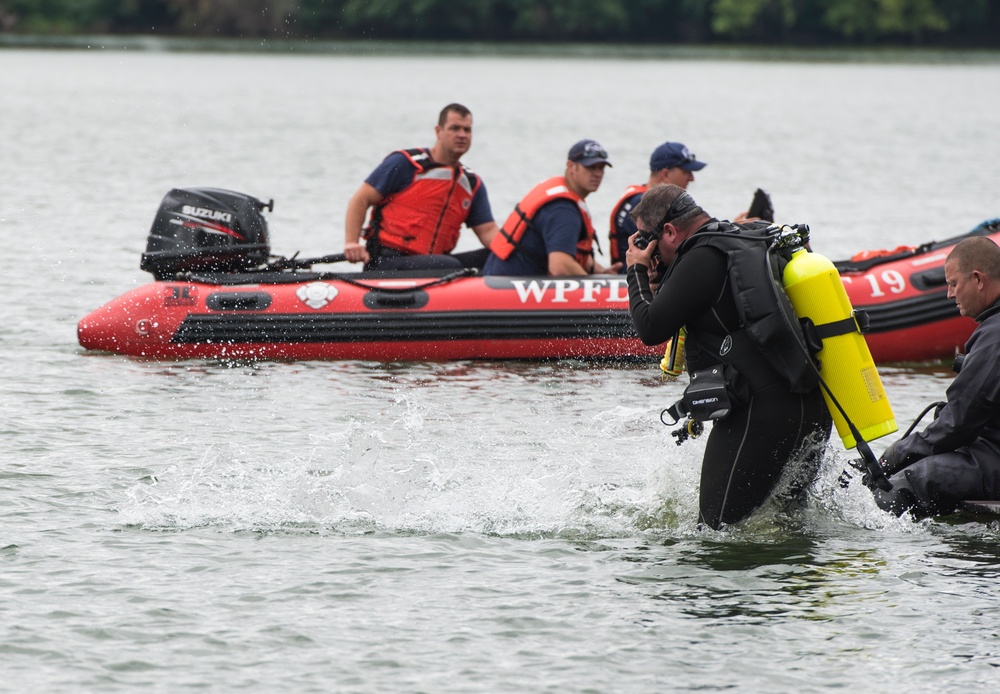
x=427 y=215
x=616 y=212
x=768 y=323
x=519 y=221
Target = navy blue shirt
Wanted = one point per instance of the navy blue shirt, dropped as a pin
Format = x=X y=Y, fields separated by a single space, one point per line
x=557 y=226
x=396 y=172
x=624 y=227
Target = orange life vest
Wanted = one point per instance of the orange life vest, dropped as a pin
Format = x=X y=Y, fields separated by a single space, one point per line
x=519 y=221
x=868 y=255
x=427 y=215
x=613 y=232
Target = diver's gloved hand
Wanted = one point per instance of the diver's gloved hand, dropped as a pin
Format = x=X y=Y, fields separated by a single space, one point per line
x=892 y=460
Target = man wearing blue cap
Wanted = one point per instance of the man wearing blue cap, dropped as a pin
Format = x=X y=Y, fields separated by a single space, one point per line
x=672 y=163
x=550 y=232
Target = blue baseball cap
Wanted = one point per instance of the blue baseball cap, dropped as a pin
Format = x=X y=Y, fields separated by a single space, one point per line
x=588 y=152
x=671 y=155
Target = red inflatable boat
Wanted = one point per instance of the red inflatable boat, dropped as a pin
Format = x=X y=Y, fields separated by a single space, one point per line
x=304 y=315
x=211 y=300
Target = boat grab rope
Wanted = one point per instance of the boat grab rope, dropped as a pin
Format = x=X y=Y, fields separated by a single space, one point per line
x=458 y=274
x=295 y=277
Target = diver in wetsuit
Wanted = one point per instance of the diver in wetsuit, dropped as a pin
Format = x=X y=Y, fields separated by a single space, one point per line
x=957 y=456
x=768 y=424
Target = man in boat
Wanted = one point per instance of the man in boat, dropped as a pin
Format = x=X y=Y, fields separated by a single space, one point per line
x=957 y=456
x=671 y=162
x=763 y=415
x=419 y=200
x=550 y=231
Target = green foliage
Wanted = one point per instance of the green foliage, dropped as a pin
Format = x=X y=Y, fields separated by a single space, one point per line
x=795 y=22
x=429 y=19
x=48 y=16
x=869 y=19
x=744 y=17
x=602 y=18
x=866 y=20
x=851 y=18
x=73 y=16
x=244 y=18
x=912 y=17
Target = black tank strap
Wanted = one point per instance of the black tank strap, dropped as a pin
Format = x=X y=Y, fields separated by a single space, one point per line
x=856 y=322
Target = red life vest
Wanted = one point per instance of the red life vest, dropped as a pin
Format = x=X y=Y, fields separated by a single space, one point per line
x=613 y=233
x=427 y=215
x=519 y=221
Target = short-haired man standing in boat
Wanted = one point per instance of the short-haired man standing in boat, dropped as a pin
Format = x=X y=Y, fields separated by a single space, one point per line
x=957 y=456
x=550 y=232
x=419 y=199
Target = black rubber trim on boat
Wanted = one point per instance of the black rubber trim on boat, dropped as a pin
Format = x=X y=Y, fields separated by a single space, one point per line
x=910 y=313
x=238 y=301
x=380 y=299
x=928 y=279
x=403 y=327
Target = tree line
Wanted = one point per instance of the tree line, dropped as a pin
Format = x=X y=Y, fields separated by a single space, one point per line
x=937 y=23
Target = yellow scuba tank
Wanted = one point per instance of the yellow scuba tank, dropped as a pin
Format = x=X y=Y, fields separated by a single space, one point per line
x=816 y=292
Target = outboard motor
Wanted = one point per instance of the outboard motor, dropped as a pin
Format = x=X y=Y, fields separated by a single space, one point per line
x=206 y=229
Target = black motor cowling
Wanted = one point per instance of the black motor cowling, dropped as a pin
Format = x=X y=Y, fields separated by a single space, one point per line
x=206 y=229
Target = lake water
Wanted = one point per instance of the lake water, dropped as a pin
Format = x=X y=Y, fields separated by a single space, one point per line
x=451 y=527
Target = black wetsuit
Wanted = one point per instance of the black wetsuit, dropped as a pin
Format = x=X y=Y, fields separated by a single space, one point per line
x=747 y=451
x=957 y=456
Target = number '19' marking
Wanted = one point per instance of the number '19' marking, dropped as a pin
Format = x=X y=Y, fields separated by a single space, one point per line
x=893 y=280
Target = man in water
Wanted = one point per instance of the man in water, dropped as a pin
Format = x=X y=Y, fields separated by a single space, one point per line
x=419 y=200
x=550 y=232
x=761 y=420
x=957 y=456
